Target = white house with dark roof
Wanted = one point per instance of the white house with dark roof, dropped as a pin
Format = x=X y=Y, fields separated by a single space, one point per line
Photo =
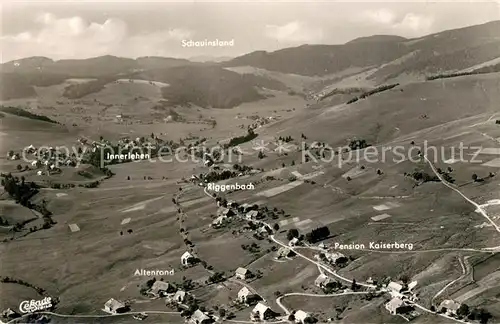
x=283 y=252
x=395 y=287
x=180 y=296
x=294 y=242
x=243 y=294
x=334 y=257
x=450 y=307
x=322 y=280
x=114 y=306
x=199 y=317
x=219 y=221
x=252 y=215
x=301 y=316
x=395 y=305
x=261 y=312
x=187 y=259
x=161 y=288
x=242 y=273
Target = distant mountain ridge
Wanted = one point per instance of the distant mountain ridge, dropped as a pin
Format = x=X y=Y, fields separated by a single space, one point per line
x=450 y=48
x=91 y=67
x=374 y=60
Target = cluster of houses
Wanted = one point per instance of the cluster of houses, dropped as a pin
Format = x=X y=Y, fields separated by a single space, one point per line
x=250 y=213
x=262 y=312
x=161 y=289
x=333 y=258
x=402 y=298
x=47 y=157
x=261 y=121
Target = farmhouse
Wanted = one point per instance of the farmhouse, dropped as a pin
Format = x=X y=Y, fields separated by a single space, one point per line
x=302 y=317
x=264 y=229
x=294 y=242
x=242 y=273
x=395 y=306
x=261 y=312
x=283 y=252
x=243 y=294
x=187 y=259
x=395 y=287
x=322 y=280
x=114 y=306
x=180 y=296
x=161 y=288
x=246 y=207
x=252 y=215
x=450 y=307
x=199 y=317
x=219 y=221
x=335 y=257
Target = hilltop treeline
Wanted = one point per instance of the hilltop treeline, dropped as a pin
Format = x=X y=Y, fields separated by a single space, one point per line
x=483 y=70
x=23 y=113
x=372 y=92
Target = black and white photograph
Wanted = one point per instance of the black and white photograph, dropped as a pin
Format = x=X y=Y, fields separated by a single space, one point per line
x=197 y=162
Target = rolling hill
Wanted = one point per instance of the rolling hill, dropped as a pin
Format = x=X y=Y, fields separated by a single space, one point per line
x=390 y=55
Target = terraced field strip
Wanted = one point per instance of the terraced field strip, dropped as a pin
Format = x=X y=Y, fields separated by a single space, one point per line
x=279 y=190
